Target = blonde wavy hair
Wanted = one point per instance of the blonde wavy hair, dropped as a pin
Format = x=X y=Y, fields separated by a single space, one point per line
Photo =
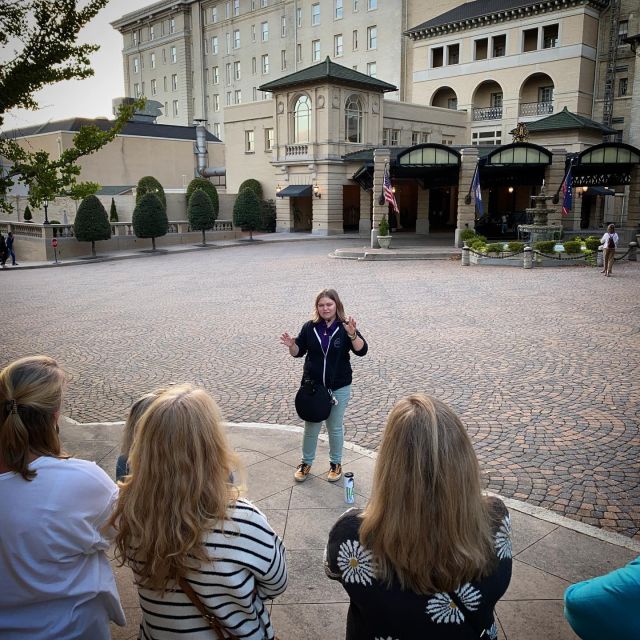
x=332 y=294
x=133 y=418
x=179 y=487
x=427 y=523
x=31 y=391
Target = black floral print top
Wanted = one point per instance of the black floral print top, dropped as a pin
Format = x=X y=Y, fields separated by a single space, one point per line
x=378 y=612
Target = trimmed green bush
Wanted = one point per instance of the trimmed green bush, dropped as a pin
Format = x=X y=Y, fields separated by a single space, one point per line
x=91 y=223
x=592 y=243
x=467 y=234
x=515 y=246
x=246 y=211
x=495 y=247
x=383 y=226
x=544 y=246
x=27 y=216
x=149 y=184
x=150 y=218
x=55 y=231
x=208 y=188
x=573 y=247
x=478 y=244
x=268 y=215
x=113 y=213
x=200 y=212
x=254 y=185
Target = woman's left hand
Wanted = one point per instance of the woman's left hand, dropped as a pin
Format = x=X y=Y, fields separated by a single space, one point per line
x=350 y=326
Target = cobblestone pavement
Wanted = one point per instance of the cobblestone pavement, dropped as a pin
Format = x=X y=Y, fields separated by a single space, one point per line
x=542 y=364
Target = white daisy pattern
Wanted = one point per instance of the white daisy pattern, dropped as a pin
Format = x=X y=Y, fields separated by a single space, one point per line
x=503 y=538
x=381 y=638
x=441 y=608
x=492 y=632
x=356 y=563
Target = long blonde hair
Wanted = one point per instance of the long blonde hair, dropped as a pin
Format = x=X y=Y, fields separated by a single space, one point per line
x=332 y=294
x=133 y=419
x=178 y=489
x=427 y=523
x=31 y=392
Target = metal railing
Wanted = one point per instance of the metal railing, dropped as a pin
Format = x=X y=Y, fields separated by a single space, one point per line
x=536 y=108
x=487 y=113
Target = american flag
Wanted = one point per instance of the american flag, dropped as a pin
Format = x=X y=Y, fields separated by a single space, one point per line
x=567 y=190
x=387 y=190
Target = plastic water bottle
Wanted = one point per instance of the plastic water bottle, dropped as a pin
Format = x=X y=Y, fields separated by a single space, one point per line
x=349 y=483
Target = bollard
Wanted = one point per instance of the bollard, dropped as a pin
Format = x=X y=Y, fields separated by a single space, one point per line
x=527 y=260
x=600 y=259
x=633 y=252
x=466 y=256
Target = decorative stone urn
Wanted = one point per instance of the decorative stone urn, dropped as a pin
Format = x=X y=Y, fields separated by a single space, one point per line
x=384 y=241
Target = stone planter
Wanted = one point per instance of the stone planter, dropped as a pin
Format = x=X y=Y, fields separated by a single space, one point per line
x=384 y=241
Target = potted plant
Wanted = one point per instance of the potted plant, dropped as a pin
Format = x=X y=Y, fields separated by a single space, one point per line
x=384 y=239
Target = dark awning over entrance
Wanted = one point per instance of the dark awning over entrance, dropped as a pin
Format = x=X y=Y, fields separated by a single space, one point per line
x=295 y=191
x=520 y=163
x=606 y=164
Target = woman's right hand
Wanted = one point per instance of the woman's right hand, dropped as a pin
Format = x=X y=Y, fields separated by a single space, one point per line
x=287 y=340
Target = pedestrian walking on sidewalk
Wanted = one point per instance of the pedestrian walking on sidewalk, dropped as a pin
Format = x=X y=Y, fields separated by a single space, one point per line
x=326 y=341
x=55 y=577
x=429 y=552
x=10 y=251
x=609 y=243
x=203 y=557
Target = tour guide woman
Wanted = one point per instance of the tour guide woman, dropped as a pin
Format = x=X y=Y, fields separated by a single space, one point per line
x=326 y=341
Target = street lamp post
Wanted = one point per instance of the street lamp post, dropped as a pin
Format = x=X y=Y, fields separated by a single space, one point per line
x=46 y=206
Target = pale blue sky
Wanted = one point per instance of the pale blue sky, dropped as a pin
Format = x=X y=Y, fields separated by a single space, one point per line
x=91 y=97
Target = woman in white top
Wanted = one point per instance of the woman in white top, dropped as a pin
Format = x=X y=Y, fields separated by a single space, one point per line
x=55 y=580
x=179 y=517
x=609 y=243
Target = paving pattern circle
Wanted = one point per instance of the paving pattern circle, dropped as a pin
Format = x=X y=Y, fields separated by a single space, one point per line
x=542 y=364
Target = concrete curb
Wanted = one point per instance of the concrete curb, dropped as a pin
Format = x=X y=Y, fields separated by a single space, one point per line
x=531 y=510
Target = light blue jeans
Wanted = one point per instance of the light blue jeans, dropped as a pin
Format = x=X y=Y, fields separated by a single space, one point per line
x=335 y=429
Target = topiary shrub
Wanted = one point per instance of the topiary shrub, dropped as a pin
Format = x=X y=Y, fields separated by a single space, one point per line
x=91 y=223
x=246 y=211
x=478 y=245
x=150 y=218
x=383 y=226
x=200 y=212
x=149 y=184
x=467 y=234
x=592 y=243
x=113 y=213
x=268 y=215
x=254 y=185
x=208 y=188
x=573 y=246
x=495 y=247
x=515 y=246
x=27 y=216
x=544 y=246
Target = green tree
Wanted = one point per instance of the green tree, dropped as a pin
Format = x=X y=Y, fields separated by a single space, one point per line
x=28 y=216
x=150 y=218
x=149 y=184
x=91 y=223
x=208 y=188
x=246 y=211
x=113 y=213
x=254 y=185
x=82 y=190
x=38 y=43
x=201 y=213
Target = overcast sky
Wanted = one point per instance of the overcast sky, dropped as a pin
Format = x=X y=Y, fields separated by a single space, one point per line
x=91 y=97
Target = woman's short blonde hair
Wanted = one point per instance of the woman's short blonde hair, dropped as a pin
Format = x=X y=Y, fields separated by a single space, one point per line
x=31 y=392
x=178 y=489
x=332 y=294
x=427 y=522
x=611 y=228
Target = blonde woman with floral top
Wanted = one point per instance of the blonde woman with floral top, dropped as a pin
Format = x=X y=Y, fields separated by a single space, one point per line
x=430 y=555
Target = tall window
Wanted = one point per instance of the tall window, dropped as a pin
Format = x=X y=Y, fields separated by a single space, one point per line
x=299 y=17
x=253 y=33
x=236 y=70
x=214 y=45
x=216 y=102
x=154 y=87
x=152 y=33
x=153 y=60
x=268 y=139
x=499 y=45
x=623 y=32
x=622 y=87
x=372 y=4
x=254 y=66
x=338 y=9
x=227 y=73
x=372 y=69
x=302 y=119
x=236 y=38
x=299 y=52
x=214 y=14
x=337 y=45
x=372 y=37
x=238 y=96
x=315 y=14
x=175 y=108
x=283 y=59
x=172 y=28
x=550 y=36
x=353 y=120
x=249 y=143
x=216 y=130
x=355 y=40
x=265 y=63
x=174 y=55
x=264 y=30
x=174 y=82
x=215 y=75
x=315 y=50
x=136 y=65
x=236 y=7
x=283 y=26
x=136 y=90
x=496 y=99
x=545 y=94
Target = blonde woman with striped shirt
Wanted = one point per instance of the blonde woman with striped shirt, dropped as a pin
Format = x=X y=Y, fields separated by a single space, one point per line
x=179 y=517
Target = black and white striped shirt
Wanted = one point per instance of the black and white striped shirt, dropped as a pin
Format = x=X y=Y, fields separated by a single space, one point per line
x=248 y=566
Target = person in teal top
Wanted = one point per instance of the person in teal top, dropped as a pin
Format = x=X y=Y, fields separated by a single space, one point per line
x=606 y=606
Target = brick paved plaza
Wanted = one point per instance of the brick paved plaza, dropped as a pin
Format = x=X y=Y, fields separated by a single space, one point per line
x=542 y=365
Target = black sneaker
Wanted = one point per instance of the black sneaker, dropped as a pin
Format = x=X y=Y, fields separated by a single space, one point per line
x=302 y=471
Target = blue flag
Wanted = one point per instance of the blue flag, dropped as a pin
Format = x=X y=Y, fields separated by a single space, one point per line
x=475 y=187
x=567 y=190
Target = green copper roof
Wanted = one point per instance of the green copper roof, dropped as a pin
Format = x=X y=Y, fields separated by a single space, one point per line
x=328 y=71
x=567 y=120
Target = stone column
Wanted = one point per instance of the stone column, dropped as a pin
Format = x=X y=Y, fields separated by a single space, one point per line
x=365 y=213
x=327 y=209
x=284 y=217
x=553 y=177
x=466 y=212
x=422 y=218
x=633 y=206
x=380 y=158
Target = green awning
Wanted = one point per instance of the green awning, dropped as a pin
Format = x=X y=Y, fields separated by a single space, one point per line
x=295 y=191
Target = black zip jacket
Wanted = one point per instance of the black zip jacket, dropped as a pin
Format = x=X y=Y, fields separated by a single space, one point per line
x=338 y=372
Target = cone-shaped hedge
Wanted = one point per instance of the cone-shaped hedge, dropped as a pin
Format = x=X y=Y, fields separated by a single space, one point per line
x=27 y=216
x=149 y=184
x=113 y=213
x=208 y=188
x=91 y=223
x=246 y=211
x=200 y=212
x=150 y=218
x=254 y=185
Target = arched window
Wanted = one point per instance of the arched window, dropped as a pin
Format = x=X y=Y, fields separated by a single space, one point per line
x=353 y=120
x=302 y=119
